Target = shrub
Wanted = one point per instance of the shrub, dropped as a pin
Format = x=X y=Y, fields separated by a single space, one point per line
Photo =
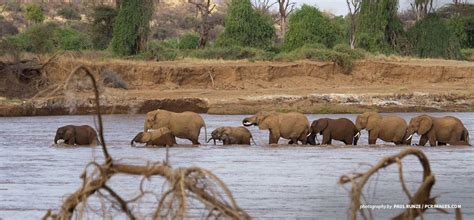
x=431 y=37
x=69 y=12
x=7 y=28
x=468 y=54
x=463 y=27
x=243 y=26
x=232 y=53
x=34 y=13
x=38 y=38
x=159 y=51
x=188 y=41
x=101 y=28
x=70 y=39
x=308 y=25
x=131 y=27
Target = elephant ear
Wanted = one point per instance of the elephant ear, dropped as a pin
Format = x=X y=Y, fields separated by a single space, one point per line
x=322 y=124
x=372 y=120
x=267 y=121
x=162 y=118
x=425 y=124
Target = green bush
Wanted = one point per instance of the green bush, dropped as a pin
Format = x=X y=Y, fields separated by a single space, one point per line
x=38 y=38
x=231 y=53
x=69 y=12
x=188 y=41
x=431 y=37
x=468 y=54
x=308 y=25
x=159 y=51
x=101 y=28
x=463 y=27
x=34 y=13
x=244 y=26
x=70 y=39
x=131 y=27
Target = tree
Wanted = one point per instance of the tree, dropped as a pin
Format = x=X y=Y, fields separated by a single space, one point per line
x=131 y=27
x=244 y=26
x=205 y=8
x=34 y=13
x=101 y=28
x=422 y=8
x=308 y=25
x=285 y=7
x=378 y=25
x=354 y=7
x=431 y=37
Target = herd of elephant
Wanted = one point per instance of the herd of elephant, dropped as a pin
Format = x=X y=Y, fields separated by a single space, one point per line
x=163 y=127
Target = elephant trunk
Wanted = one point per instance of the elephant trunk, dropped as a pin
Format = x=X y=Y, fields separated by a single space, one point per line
x=212 y=139
x=56 y=138
x=132 y=143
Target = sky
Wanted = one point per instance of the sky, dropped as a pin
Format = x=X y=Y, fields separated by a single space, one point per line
x=339 y=7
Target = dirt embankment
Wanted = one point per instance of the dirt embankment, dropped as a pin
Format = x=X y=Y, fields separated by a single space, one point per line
x=237 y=87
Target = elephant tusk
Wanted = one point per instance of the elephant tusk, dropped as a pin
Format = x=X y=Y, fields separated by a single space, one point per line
x=308 y=135
x=409 y=137
x=357 y=135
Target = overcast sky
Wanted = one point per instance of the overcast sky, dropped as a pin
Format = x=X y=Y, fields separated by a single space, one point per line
x=339 y=7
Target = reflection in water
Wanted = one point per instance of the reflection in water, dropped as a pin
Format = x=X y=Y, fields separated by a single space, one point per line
x=268 y=182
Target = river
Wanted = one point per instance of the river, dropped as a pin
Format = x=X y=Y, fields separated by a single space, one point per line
x=284 y=182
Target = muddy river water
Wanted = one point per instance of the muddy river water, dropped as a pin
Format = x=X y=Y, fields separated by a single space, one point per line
x=268 y=182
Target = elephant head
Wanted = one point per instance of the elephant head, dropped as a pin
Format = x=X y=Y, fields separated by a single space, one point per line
x=64 y=133
x=368 y=121
x=217 y=134
x=420 y=125
x=156 y=119
x=263 y=119
x=317 y=127
x=141 y=137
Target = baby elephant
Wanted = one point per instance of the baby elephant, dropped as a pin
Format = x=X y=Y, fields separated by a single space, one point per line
x=160 y=137
x=341 y=129
x=76 y=135
x=232 y=135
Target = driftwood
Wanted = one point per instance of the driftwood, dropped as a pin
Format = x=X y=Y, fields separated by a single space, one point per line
x=421 y=197
x=186 y=186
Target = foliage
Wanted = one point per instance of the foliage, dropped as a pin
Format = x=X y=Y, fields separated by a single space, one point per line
x=232 y=53
x=188 y=41
x=101 y=28
x=69 y=12
x=34 y=13
x=342 y=55
x=71 y=39
x=159 y=51
x=7 y=28
x=378 y=25
x=463 y=27
x=468 y=54
x=431 y=37
x=131 y=27
x=243 y=26
x=11 y=5
x=308 y=25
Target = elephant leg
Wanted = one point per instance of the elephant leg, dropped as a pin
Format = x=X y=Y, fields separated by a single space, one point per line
x=432 y=140
x=326 y=139
x=441 y=143
x=274 y=137
x=294 y=141
x=373 y=137
x=423 y=140
x=348 y=140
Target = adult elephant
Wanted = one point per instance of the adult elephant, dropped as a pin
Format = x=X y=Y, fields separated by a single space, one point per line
x=341 y=129
x=439 y=130
x=388 y=128
x=159 y=137
x=76 y=135
x=292 y=125
x=186 y=125
x=232 y=135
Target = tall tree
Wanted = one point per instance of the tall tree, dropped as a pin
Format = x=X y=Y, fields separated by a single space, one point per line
x=204 y=8
x=422 y=8
x=285 y=7
x=354 y=7
x=378 y=25
x=131 y=27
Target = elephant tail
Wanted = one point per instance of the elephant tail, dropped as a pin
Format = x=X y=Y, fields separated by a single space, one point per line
x=465 y=136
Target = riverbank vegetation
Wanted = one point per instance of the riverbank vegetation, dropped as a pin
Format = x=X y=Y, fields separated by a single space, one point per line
x=254 y=30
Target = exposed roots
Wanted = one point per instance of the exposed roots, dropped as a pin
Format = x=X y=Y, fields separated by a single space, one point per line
x=187 y=193
x=421 y=197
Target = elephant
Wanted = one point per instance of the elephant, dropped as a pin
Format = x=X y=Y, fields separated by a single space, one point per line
x=159 y=137
x=232 y=135
x=292 y=125
x=341 y=129
x=186 y=125
x=77 y=135
x=388 y=128
x=439 y=130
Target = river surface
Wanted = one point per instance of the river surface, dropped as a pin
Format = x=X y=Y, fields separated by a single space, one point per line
x=282 y=182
